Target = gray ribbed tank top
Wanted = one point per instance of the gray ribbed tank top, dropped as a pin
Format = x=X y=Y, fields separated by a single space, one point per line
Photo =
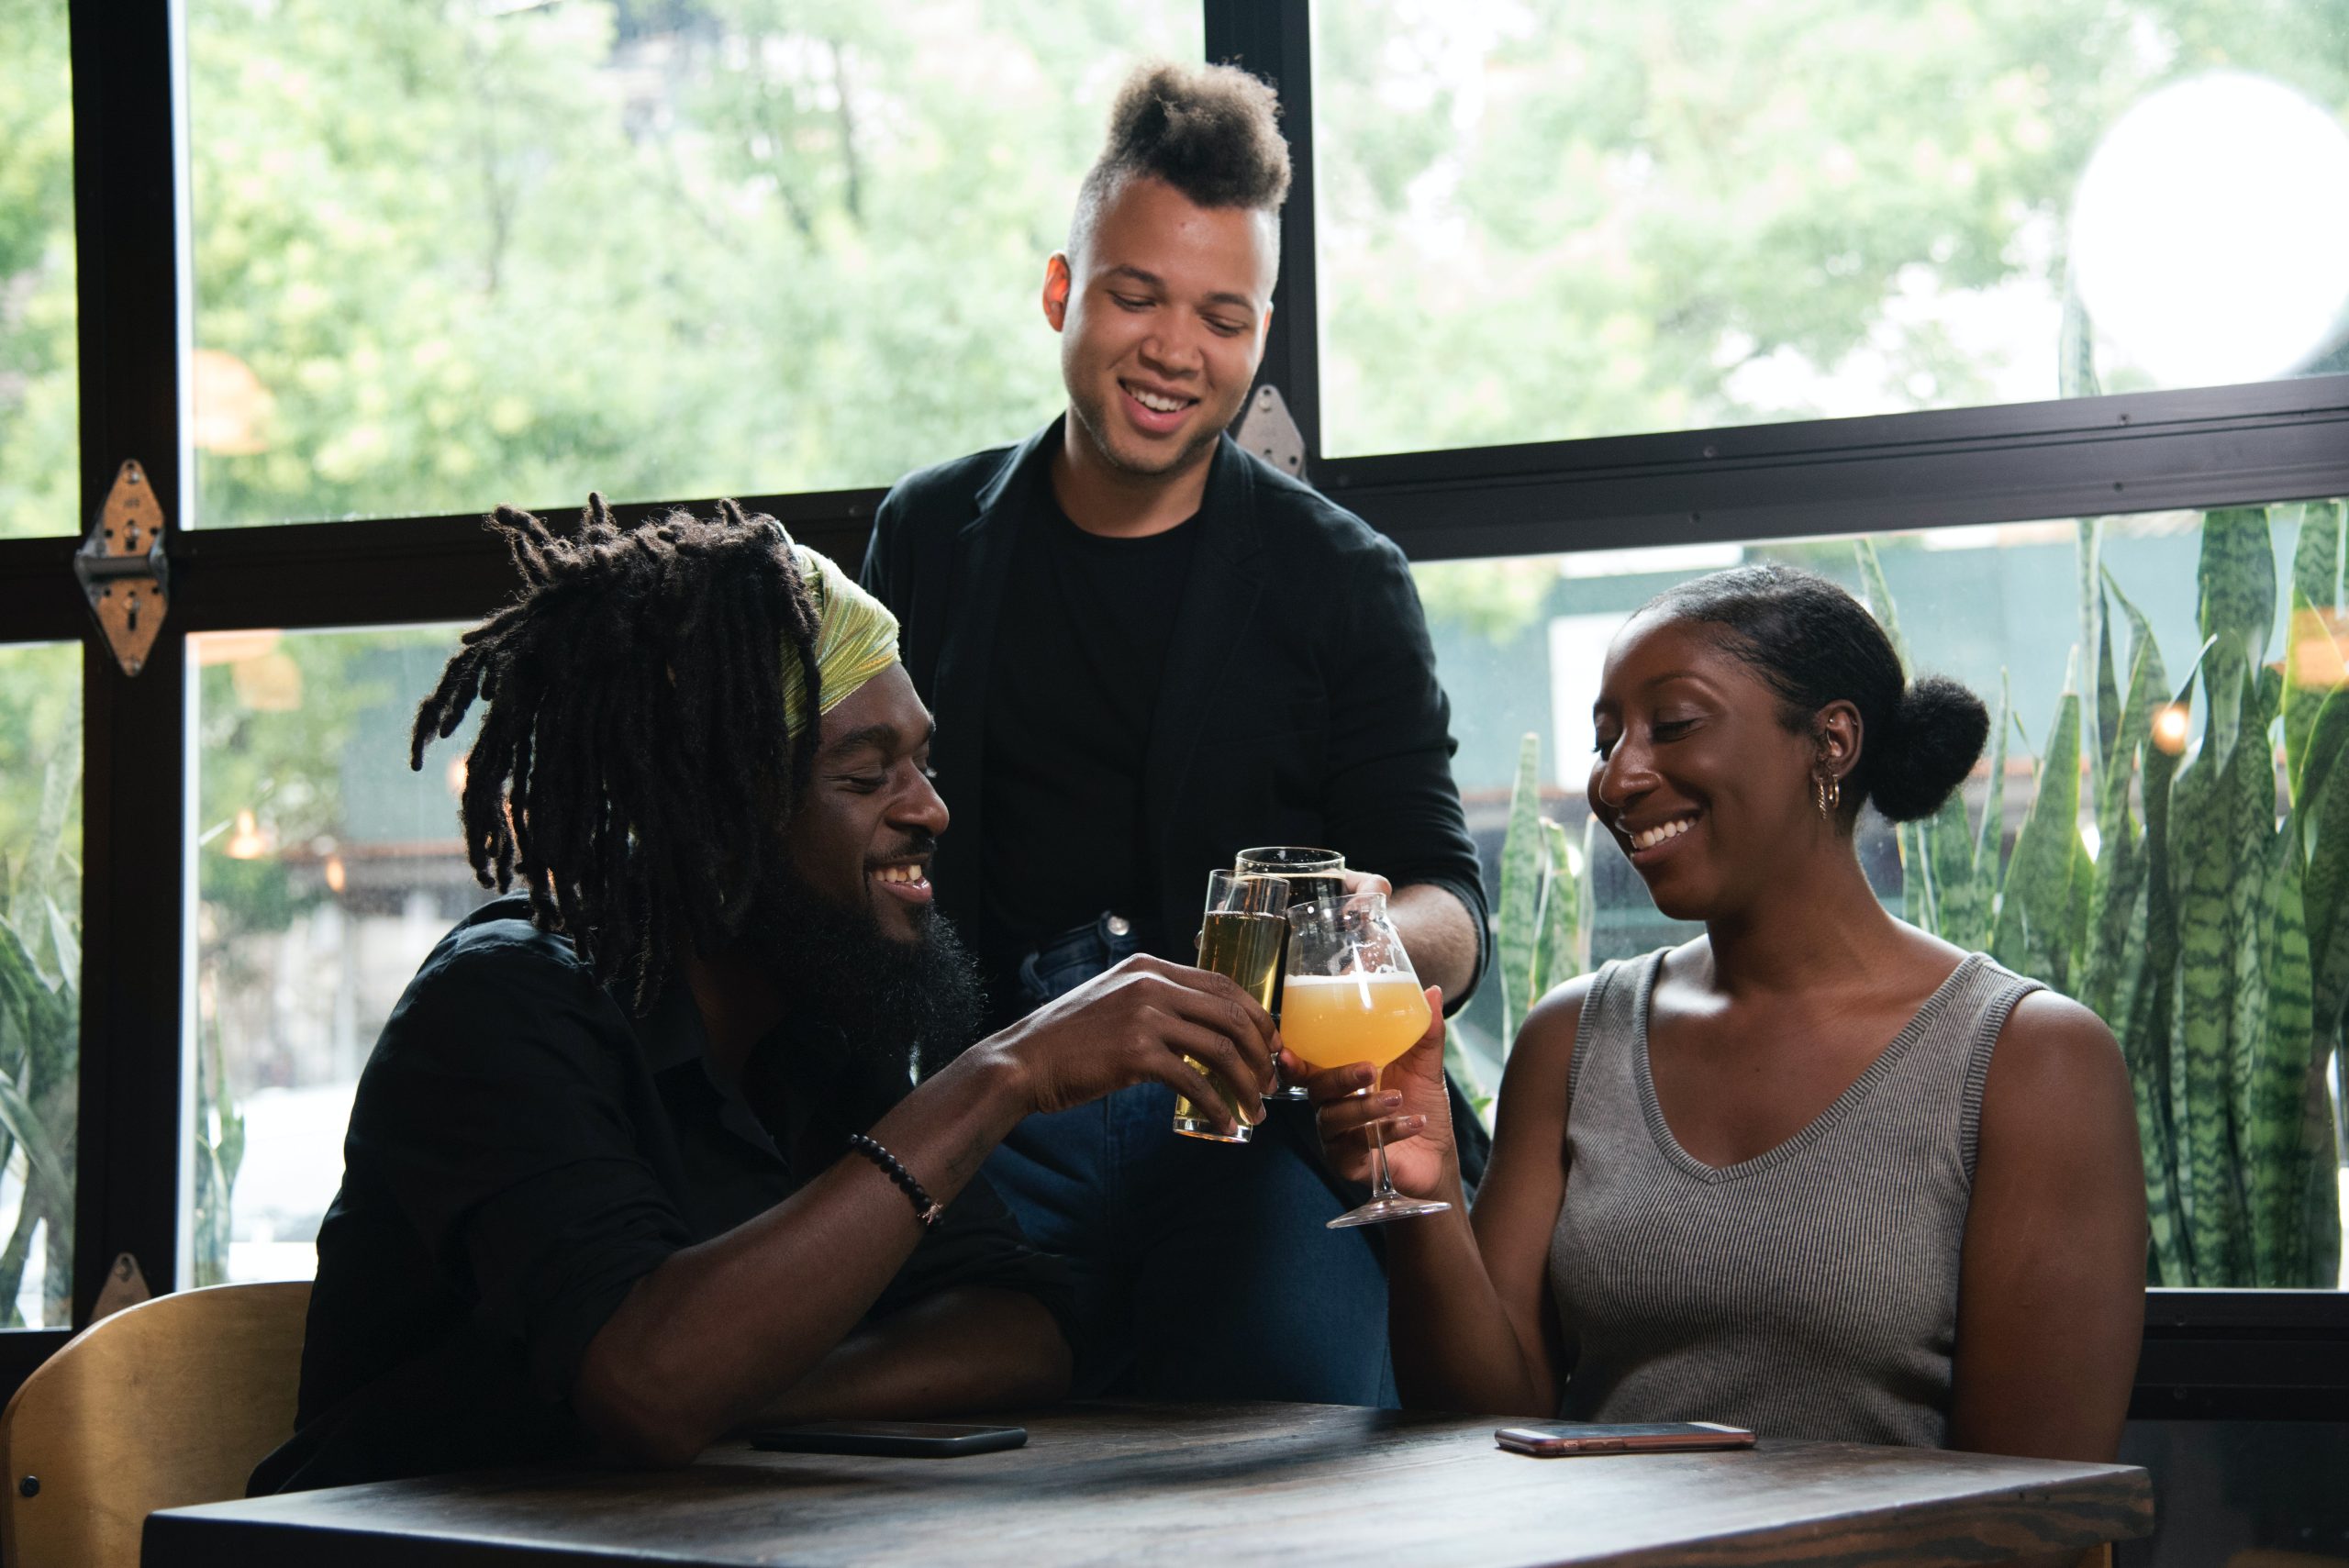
x=1809 y=1292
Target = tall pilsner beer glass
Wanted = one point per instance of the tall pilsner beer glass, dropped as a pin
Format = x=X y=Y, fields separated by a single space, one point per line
x=1311 y=873
x=1241 y=934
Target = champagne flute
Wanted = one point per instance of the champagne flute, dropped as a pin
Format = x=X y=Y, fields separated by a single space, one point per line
x=1351 y=995
x=1313 y=873
x=1240 y=936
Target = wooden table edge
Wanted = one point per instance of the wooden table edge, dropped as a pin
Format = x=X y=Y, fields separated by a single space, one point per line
x=2093 y=1504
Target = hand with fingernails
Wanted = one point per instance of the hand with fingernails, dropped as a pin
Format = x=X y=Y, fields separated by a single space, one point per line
x=1409 y=1105
x=1135 y=1024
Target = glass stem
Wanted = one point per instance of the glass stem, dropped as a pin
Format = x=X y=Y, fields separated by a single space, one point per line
x=1385 y=1187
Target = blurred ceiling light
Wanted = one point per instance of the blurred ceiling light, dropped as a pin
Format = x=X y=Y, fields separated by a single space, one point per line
x=2170 y=725
x=2209 y=234
x=233 y=647
x=2316 y=658
x=270 y=684
x=248 y=841
x=456 y=775
x=231 y=404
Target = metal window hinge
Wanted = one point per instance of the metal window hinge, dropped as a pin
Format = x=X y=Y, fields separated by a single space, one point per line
x=125 y=1286
x=1269 y=430
x=123 y=570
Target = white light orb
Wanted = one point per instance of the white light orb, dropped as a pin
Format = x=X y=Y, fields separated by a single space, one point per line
x=2210 y=230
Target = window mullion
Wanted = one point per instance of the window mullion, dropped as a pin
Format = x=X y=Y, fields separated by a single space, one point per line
x=129 y=234
x=1273 y=40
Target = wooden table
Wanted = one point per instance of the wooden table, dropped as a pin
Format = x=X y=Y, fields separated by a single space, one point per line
x=1201 y=1487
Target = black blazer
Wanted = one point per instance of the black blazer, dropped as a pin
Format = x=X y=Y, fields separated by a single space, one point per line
x=1299 y=705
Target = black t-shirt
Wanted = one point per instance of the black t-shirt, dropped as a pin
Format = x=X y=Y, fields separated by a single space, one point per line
x=521 y=1151
x=1080 y=650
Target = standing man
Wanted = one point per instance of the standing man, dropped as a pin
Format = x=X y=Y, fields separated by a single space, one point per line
x=1146 y=651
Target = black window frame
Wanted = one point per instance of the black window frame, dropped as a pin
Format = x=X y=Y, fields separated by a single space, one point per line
x=2230 y=1355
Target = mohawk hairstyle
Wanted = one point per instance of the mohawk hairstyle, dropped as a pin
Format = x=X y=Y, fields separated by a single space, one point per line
x=1211 y=131
x=634 y=764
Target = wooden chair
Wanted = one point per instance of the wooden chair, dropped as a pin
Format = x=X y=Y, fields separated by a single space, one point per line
x=170 y=1402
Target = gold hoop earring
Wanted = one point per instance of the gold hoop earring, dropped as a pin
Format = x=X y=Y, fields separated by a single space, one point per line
x=1829 y=792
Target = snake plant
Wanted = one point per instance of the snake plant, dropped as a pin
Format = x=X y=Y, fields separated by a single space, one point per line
x=2208 y=928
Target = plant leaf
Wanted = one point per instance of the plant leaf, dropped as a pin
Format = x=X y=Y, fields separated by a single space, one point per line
x=1560 y=914
x=2236 y=579
x=20 y=1121
x=2033 y=934
x=1879 y=594
x=2275 y=1082
x=1515 y=932
x=66 y=945
x=2316 y=555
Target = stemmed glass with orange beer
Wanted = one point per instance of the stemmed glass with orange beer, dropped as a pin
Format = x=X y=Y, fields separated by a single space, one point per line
x=1351 y=995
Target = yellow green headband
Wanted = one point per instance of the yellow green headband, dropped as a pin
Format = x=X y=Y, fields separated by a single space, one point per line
x=856 y=636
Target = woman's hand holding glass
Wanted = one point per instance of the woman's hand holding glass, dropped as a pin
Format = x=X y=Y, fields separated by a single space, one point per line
x=1414 y=1116
x=1350 y=999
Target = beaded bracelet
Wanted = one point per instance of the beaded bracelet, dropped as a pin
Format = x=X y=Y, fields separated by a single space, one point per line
x=926 y=1209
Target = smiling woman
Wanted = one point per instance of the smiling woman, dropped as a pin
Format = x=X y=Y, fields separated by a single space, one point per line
x=1846 y=726
x=1812 y=1125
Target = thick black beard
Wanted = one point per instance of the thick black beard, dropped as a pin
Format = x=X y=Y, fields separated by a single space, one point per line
x=906 y=1008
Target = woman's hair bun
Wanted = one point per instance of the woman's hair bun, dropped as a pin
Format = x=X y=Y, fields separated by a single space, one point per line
x=1937 y=731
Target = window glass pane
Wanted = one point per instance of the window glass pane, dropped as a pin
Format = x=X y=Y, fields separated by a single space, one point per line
x=326 y=870
x=39 y=436
x=1601 y=220
x=1519 y=645
x=40 y=977
x=450 y=252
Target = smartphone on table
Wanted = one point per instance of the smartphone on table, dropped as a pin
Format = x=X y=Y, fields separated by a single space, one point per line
x=892 y=1439
x=1552 y=1440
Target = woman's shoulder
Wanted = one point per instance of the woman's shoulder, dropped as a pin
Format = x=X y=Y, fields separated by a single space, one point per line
x=2053 y=1071
x=1537 y=1080
x=1545 y=1043
x=2050 y=1043
x=1551 y=1027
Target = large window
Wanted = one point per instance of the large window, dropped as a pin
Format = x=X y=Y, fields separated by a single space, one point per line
x=40 y=977
x=37 y=380
x=1604 y=219
x=326 y=870
x=1519 y=643
x=376 y=269
x=449 y=254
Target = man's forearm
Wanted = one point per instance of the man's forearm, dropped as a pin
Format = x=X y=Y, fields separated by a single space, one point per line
x=972 y=1348
x=726 y=1329
x=1440 y=935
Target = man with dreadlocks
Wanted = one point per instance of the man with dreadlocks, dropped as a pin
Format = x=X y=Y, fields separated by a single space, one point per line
x=636 y=1161
x=1147 y=651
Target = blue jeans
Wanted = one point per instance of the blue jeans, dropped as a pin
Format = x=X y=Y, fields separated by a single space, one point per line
x=1204 y=1269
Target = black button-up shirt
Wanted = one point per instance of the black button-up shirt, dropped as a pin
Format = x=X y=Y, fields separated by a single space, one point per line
x=521 y=1151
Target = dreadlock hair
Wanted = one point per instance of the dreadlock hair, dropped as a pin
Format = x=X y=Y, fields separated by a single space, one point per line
x=1211 y=131
x=634 y=765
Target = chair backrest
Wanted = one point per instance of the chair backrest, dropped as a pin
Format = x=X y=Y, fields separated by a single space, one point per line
x=170 y=1402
